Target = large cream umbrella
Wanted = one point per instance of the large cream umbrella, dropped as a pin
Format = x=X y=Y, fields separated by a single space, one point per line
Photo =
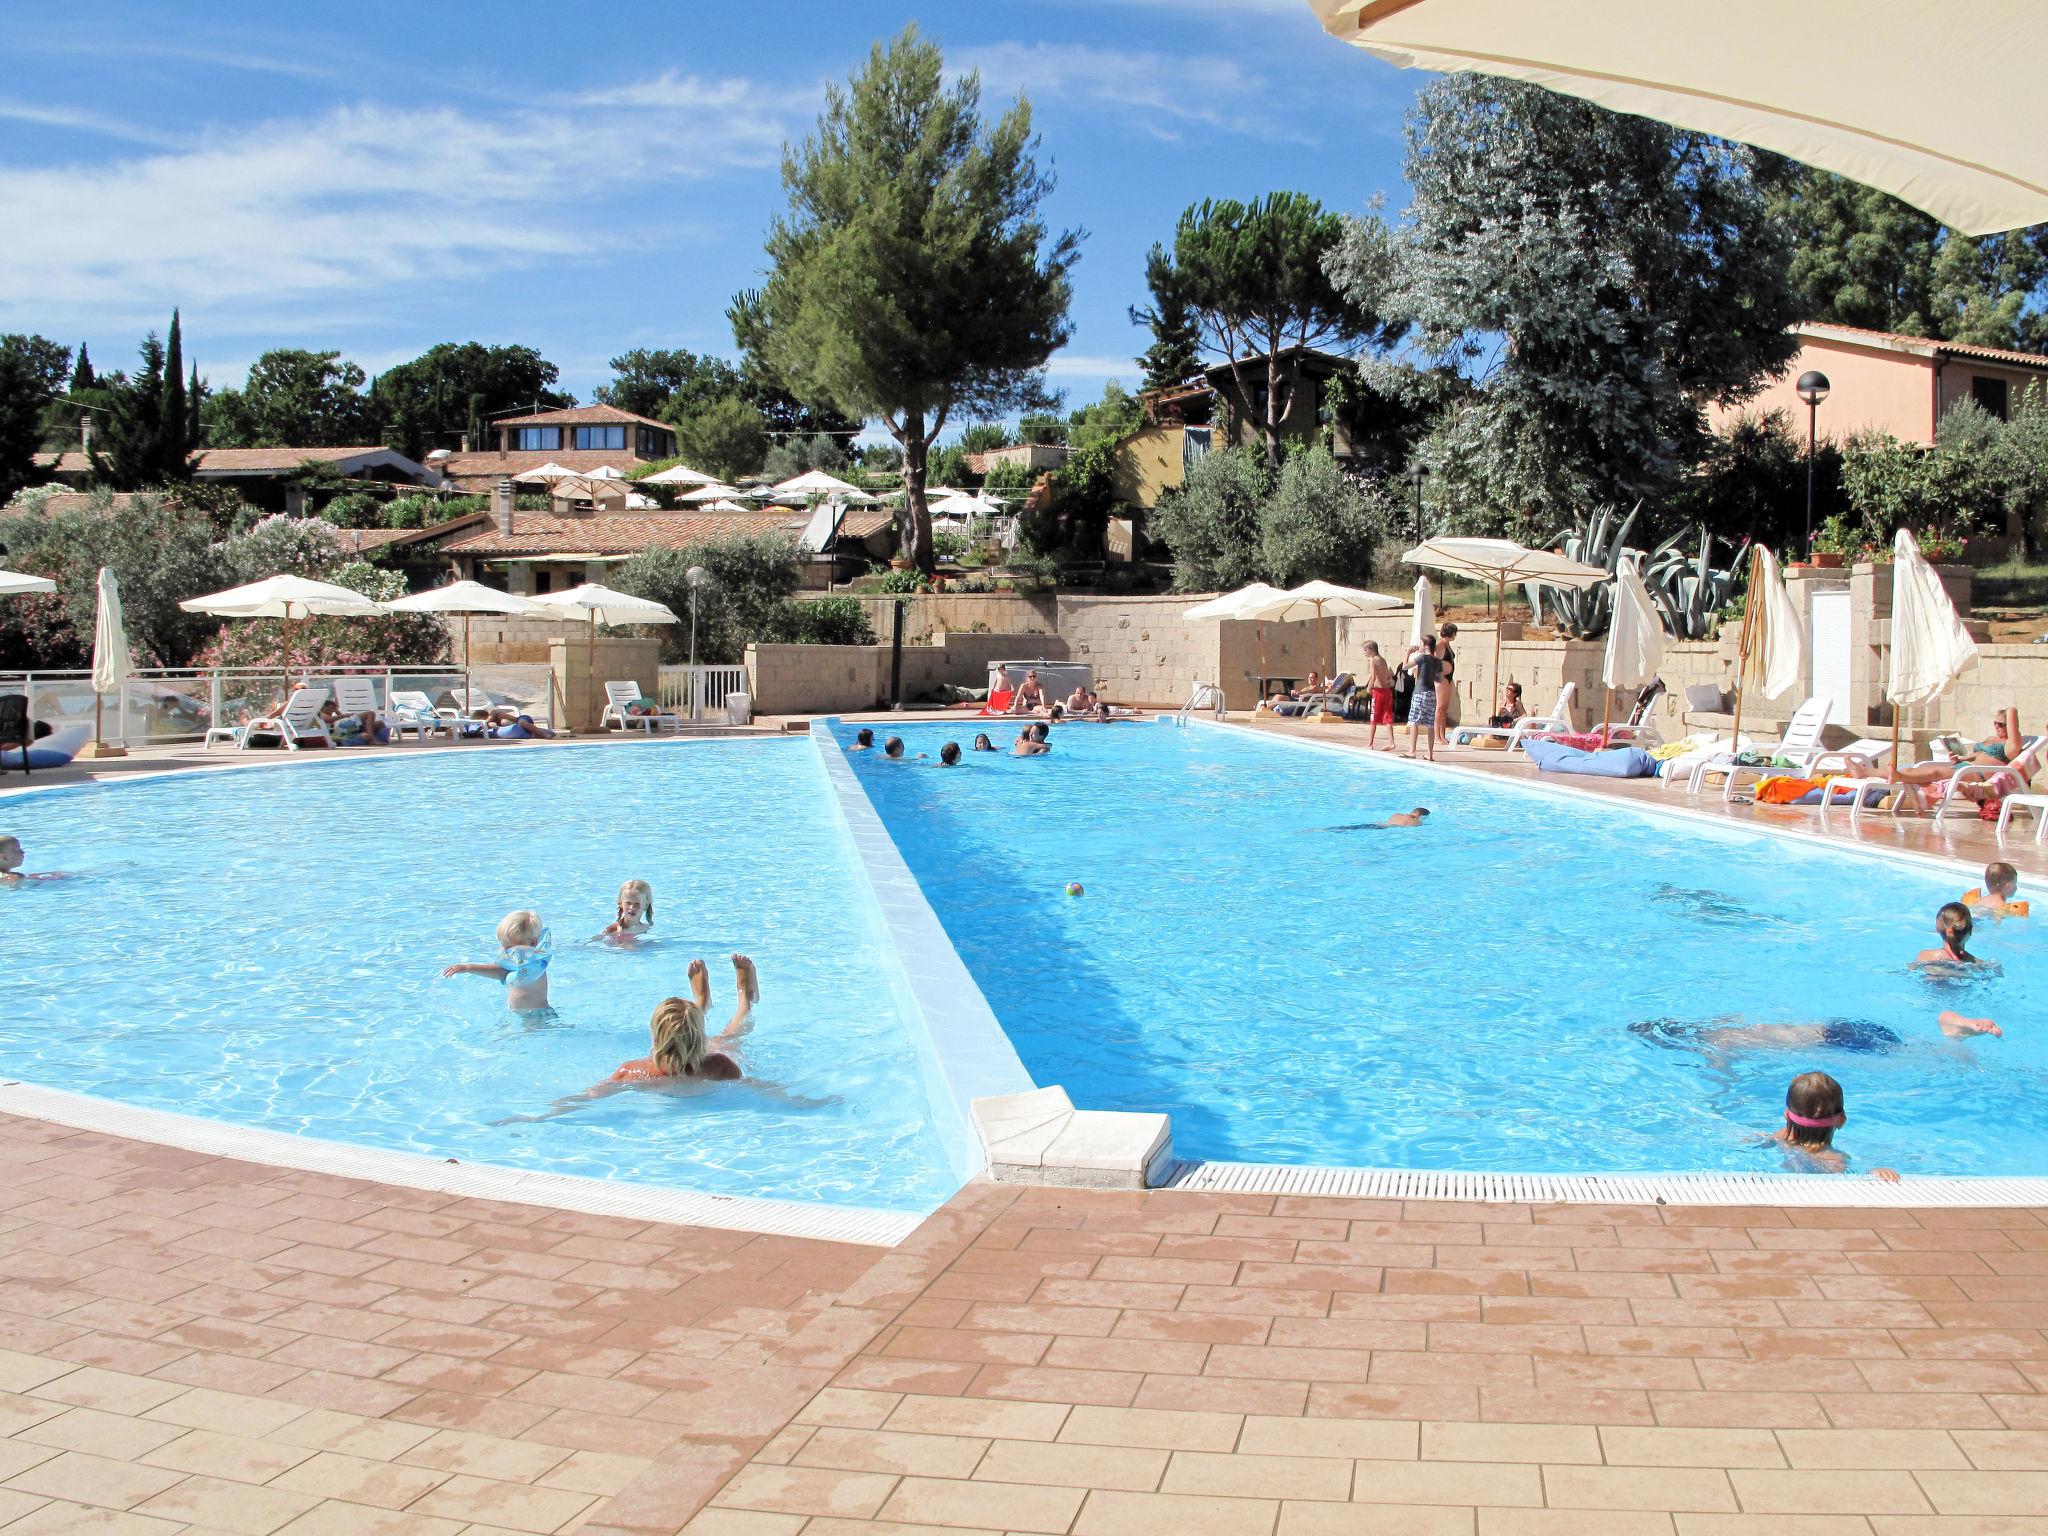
x=111 y=663
x=813 y=482
x=543 y=474
x=1500 y=561
x=1235 y=605
x=716 y=491
x=601 y=605
x=1930 y=648
x=1772 y=648
x=679 y=474
x=291 y=598
x=16 y=584
x=1319 y=600
x=465 y=598
x=1915 y=97
x=1635 y=640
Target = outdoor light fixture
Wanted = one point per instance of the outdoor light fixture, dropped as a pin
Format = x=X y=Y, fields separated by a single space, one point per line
x=1812 y=388
x=696 y=576
x=1416 y=472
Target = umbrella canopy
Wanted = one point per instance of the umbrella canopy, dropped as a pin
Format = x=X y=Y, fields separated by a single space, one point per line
x=961 y=504
x=15 y=584
x=1635 y=639
x=604 y=472
x=1425 y=613
x=721 y=505
x=110 y=660
x=1779 y=661
x=680 y=474
x=601 y=605
x=712 y=492
x=814 y=482
x=1500 y=561
x=588 y=488
x=460 y=597
x=1930 y=647
x=284 y=597
x=1320 y=600
x=1871 y=93
x=1232 y=605
x=541 y=476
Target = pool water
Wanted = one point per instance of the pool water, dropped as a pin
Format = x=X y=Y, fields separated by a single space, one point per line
x=1458 y=995
x=265 y=947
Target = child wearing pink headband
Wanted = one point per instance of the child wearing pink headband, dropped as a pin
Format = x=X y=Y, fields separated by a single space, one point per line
x=1813 y=1113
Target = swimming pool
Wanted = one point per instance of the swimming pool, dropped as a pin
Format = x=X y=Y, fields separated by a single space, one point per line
x=263 y=947
x=1455 y=996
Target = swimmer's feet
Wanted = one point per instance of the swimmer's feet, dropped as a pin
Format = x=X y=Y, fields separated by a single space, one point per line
x=700 y=983
x=745 y=978
x=1956 y=1027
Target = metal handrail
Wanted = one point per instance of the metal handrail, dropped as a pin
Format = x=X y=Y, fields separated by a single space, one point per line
x=1203 y=696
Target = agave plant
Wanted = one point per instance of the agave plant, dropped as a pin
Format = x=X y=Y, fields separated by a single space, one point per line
x=1600 y=539
x=1690 y=590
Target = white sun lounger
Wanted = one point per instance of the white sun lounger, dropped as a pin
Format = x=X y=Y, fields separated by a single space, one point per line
x=357 y=695
x=1559 y=719
x=620 y=697
x=412 y=710
x=1945 y=794
x=1799 y=743
x=300 y=721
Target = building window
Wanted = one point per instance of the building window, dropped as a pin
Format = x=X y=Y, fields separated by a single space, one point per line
x=600 y=437
x=1989 y=393
x=655 y=443
x=543 y=581
x=1194 y=443
x=528 y=439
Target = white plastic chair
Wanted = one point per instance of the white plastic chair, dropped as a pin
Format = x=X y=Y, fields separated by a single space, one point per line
x=355 y=694
x=620 y=698
x=2038 y=804
x=1559 y=719
x=412 y=710
x=299 y=721
x=1799 y=743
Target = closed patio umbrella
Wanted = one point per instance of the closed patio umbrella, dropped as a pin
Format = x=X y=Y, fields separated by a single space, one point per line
x=1772 y=650
x=465 y=598
x=602 y=605
x=110 y=660
x=1635 y=639
x=1930 y=648
x=291 y=598
x=16 y=584
x=1424 y=621
x=1894 y=96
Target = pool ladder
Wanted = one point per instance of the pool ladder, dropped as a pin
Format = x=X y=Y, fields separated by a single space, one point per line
x=1203 y=697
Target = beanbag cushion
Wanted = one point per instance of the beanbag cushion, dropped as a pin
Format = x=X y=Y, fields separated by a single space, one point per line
x=1622 y=763
x=54 y=751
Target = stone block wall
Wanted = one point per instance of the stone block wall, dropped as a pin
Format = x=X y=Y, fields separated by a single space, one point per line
x=582 y=667
x=499 y=639
x=929 y=613
x=833 y=679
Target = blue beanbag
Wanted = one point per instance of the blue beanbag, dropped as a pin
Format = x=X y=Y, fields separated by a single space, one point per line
x=54 y=751
x=1615 y=763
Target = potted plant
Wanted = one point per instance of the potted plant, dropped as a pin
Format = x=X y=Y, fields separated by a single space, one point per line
x=1939 y=547
x=1834 y=541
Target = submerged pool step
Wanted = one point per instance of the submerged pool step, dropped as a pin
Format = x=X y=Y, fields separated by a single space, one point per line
x=1600 y=1188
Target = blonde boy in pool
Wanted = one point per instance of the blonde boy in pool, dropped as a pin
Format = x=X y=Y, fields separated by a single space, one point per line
x=522 y=963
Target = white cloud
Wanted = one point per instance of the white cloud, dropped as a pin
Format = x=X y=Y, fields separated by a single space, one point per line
x=79 y=121
x=1085 y=365
x=1160 y=94
x=366 y=196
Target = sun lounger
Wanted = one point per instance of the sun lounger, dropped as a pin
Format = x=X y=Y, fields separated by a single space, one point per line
x=1799 y=743
x=412 y=710
x=1559 y=719
x=357 y=695
x=1944 y=797
x=298 y=722
x=620 y=699
x=1330 y=699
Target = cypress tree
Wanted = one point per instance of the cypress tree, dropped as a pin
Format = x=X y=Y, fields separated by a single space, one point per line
x=194 y=393
x=82 y=376
x=171 y=418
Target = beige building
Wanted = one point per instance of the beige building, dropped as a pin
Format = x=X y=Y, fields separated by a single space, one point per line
x=1890 y=383
x=582 y=438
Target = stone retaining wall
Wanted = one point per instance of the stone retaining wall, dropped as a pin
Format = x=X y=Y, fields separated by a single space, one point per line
x=833 y=679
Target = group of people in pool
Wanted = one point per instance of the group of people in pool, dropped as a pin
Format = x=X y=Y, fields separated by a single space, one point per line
x=1034 y=739
x=682 y=1053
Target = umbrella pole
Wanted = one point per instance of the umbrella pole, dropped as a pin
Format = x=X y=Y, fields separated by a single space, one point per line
x=1742 y=648
x=468 y=686
x=590 y=660
x=1606 y=714
x=1499 y=686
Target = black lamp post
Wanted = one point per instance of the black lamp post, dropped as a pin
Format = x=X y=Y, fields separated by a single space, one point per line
x=1416 y=472
x=1813 y=388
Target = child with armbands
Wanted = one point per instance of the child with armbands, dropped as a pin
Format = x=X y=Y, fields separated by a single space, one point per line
x=524 y=951
x=1995 y=898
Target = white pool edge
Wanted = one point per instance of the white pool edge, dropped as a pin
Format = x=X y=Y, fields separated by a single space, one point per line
x=482 y=1181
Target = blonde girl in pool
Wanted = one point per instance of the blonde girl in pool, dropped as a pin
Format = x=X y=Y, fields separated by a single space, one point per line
x=635 y=913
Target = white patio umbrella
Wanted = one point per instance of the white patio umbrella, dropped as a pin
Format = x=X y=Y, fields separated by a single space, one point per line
x=291 y=598
x=16 y=584
x=111 y=663
x=604 y=472
x=814 y=482
x=712 y=492
x=1500 y=561
x=465 y=598
x=722 y=505
x=1930 y=647
x=1635 y=639
x=601 y=605
x=1231 y=605
x=542 y=475
x=592 y=488
x=680 y=474
x=1772 y=650
x=1873 y=93
x=1319 y=600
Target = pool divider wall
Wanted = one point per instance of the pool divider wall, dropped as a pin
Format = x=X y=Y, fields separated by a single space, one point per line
x=962 y=1050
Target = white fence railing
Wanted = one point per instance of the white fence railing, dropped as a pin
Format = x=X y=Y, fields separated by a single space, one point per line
x=695 y=692
x=164 y=704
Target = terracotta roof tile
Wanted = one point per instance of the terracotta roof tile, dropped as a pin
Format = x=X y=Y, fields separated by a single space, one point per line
x=536 y=533
x=579 y=416
x=1824 y=330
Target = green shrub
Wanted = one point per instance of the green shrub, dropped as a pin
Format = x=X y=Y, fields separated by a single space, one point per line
x=904 y=581
x=827 y=621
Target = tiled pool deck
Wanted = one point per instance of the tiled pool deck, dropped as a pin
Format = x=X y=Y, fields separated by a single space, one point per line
x=194 y=1344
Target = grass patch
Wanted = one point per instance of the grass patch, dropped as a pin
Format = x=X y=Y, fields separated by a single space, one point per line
x=2012 y=584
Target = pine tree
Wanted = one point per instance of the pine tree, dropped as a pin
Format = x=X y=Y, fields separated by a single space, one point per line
x=82 y=376
x=171 y=428
x=1175 y=353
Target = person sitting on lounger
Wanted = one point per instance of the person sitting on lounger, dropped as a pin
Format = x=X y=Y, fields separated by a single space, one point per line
x=1029 y=698
x=1511 y=706
x=512 y=725
x=363 y=730
x=2005 y=745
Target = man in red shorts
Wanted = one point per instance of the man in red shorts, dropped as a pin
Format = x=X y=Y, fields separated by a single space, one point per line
x=1379 y=680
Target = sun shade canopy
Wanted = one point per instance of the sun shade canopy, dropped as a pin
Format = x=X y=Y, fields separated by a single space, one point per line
x=461 y=597
x=1918 y=98
x=604 y=606
x=1500 y=561
x=1321 y=600
x=1233 y=605
x=1930 y=647
x=284 y=597
x=15 y=584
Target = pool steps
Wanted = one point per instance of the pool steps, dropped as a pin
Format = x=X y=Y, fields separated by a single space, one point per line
x=1040 y=1138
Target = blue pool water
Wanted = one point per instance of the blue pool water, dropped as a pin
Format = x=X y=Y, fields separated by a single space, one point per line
x=264 y=947
x=1456 y=996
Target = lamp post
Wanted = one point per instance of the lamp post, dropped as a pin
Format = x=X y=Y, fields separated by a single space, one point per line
x=1813 y=388
x=1416 y=472
x=696 y=576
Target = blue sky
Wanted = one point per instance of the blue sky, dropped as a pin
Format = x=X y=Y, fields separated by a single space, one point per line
x=379 y=177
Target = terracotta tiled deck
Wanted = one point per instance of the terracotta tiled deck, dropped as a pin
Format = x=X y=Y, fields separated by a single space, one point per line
x=190 y=1343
